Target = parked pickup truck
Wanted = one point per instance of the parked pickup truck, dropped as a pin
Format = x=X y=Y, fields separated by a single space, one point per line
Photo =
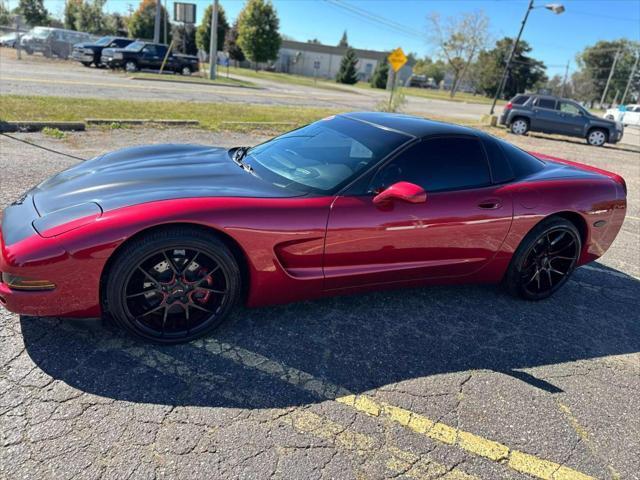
x=90 y=52
x=141 y=55
x=548 y=114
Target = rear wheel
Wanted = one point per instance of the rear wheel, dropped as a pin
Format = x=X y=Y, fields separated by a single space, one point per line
x=173 y=286
x=597 y=137
x=519 y=126
x=545 y=260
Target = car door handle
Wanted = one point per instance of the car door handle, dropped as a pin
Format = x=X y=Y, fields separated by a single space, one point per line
x=490 y=203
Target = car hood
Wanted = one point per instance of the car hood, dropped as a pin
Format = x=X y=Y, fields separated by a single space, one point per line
x=151 y=173
x=86 y=45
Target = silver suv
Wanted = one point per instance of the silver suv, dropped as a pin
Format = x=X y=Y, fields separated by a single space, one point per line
x=547 y=114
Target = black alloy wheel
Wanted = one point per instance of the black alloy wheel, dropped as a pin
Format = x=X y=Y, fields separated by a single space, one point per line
x=545 y=260
x=173 y=286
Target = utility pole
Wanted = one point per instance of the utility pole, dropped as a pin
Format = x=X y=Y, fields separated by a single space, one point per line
x=213 y=45
x=613 y=67
x=156 y=26
x=166 y=23
x=564 y=82
x=633 y=72
x=510 y=57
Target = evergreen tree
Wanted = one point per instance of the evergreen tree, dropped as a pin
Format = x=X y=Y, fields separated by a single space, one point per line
x=343 y=41
x=379 y=79
x=258 y=35
x=348 y=72
x=184 y=39
x=231 y=44
x=203 y=34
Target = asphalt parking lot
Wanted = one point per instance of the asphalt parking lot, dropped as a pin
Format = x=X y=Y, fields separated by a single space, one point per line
x=444 y=382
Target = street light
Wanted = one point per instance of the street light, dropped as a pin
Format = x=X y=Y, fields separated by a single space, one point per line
x=556 y=8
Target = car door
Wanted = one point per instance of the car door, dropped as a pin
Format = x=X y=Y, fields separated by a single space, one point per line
x=150 y=57
x=455 y=232
x=545 y=117
x=571 y=119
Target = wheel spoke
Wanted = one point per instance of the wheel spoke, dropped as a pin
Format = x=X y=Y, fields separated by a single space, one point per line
x=550 y=280
x=535 y=275
x=171 y=264
x=152 y=310
x=215 y=269
x=164 y=319
x=558 y=238
x=198 y=307
x=560 y=257
x=148 y=275
x=221 y=292
x=556 y=271
x=189 y=263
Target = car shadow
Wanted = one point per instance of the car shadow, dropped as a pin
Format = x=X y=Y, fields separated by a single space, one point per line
x=356 y=342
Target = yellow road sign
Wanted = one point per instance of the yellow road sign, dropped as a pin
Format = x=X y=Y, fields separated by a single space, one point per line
x=397 y=59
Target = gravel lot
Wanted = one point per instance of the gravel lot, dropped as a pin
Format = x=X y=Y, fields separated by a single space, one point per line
x=484 y=386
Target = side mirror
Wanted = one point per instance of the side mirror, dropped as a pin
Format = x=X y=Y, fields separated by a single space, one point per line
x=404 y=191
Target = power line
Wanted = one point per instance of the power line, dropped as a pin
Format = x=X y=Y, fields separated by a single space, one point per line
x=35 y=145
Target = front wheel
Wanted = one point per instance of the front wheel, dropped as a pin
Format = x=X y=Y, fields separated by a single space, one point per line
x=86 y=64
x=545 y=260
x=597 y=137
x=172 y=286
x=186 y=71
x=131 y=66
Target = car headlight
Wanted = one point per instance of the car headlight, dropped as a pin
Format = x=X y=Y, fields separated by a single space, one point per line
x=67 y=219
x=118 y=56
x=88 y=51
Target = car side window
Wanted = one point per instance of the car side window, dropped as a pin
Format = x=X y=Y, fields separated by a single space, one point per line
x=567 y=107
x=438 y=164
x=546 y=103
x=150 y=50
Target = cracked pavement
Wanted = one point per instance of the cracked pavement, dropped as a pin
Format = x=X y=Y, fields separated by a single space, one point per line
x=441 y=382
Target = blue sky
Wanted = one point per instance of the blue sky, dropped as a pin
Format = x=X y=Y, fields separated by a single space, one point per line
x=555 y=38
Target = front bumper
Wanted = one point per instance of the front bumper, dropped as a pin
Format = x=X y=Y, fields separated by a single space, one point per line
x=111 y=62
x=82 y=57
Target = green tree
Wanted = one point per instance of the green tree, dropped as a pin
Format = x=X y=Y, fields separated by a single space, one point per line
x=526 y=73
x=184 y=39
x=231 y=44
x=203 y=34
x=597 y=60
x=258 y=35
x=34 y=12
x=379 y=78
x=430 y=69
x=142 y=22
x=115 y=24
x=344 y=42
x=583 y=88
x=5 y=17
x=90 y=18
x=71 y=13
x=348 y=72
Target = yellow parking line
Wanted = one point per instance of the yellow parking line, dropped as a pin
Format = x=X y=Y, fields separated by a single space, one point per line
x=419 y=467
x=474 y=444
x=229 y=91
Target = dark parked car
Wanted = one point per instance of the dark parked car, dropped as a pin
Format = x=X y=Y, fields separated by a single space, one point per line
x=148 y=56
x=90 y=52
x=548 y=114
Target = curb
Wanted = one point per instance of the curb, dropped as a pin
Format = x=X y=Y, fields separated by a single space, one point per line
x=39 y=126
x=209 y=84
x=140 y=121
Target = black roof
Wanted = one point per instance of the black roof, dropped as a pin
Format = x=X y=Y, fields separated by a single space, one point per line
x=409 y=124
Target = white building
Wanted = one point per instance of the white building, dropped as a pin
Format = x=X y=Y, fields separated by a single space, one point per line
x=323 y=61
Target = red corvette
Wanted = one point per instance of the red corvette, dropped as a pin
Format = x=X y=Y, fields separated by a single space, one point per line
x=167 y=238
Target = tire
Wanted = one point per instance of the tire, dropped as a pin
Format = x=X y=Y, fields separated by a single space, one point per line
x=86 y=64
x=535 y=273
x=171 y=286
x=185 y=71
x=131 y=66
x=519 y=126
x=597 y=137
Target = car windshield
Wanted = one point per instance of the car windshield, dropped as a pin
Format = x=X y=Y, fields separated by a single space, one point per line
x=323 y=156
x=104 y=41
x=40 y=32
x=135 y=46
